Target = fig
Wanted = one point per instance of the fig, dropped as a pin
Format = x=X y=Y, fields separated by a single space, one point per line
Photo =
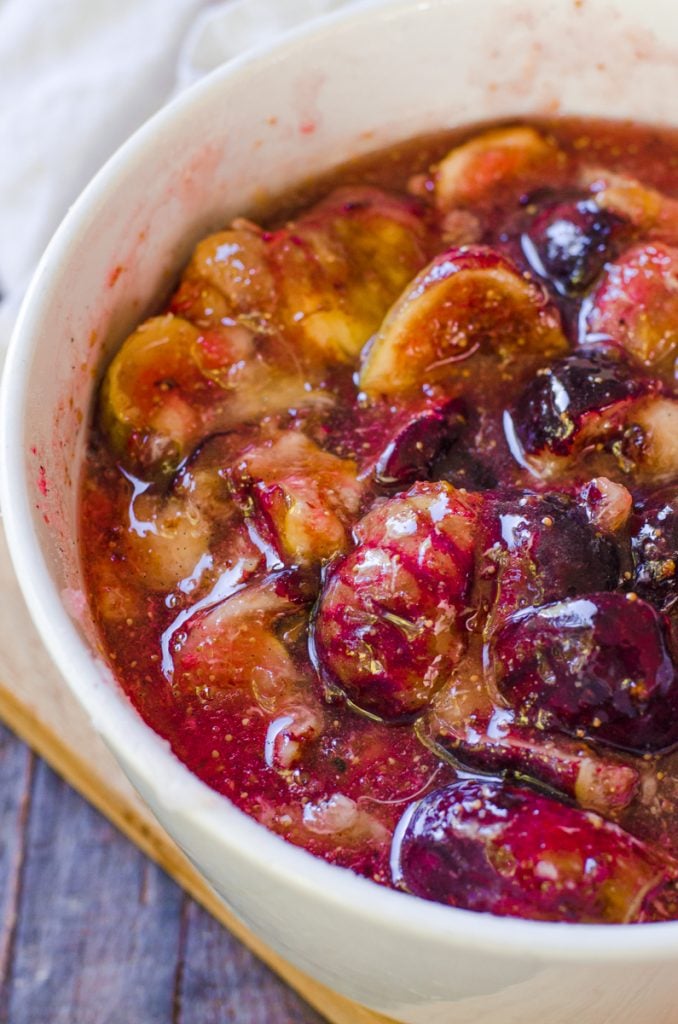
x=403 y=442
x=151 y=394
x=230 y=648
x=491 y=741
x=233 y=266
x=302 y=499
x=539 y=548
x=595 y=666
x=389 y=622
x=323 y=281
x=517 y=157
x=340 y=266
x=169 y=385
x=636 y=306
x=468 y=300
x=568 y=243
x=504 y=849
x=167 y=539
x=654 y=544
x=591 y=409
x=644 y=207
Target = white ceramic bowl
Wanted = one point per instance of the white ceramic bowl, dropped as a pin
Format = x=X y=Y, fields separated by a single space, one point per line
x=349 y=85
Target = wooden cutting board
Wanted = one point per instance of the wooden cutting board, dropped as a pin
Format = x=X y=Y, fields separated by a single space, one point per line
x=37 y=705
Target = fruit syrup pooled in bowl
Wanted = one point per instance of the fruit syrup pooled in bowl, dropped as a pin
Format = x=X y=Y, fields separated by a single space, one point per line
x=380 y=519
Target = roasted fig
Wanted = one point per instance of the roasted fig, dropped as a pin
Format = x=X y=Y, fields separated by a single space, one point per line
x=389 y=623
x=568 y=243
x=595 y=666
x=467 y=300
x=503 y=158
x=493 y=847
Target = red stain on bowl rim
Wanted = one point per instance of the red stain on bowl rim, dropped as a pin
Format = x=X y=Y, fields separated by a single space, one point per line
x=114 y=274
x=307 y=127
x=42 y=481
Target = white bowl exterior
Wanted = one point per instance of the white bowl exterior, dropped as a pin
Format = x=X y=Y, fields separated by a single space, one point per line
x=351 y=85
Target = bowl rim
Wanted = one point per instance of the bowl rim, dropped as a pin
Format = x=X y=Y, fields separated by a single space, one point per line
x=112 y=713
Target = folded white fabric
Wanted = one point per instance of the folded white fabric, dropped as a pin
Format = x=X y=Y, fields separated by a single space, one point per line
x=78 y=76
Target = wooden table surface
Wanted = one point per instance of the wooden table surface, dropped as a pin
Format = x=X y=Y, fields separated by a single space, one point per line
x=91 y=932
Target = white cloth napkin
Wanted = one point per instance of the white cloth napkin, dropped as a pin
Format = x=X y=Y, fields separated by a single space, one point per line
x=78 y=76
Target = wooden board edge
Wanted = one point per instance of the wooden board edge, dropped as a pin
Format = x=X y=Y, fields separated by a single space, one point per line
x=156 y=844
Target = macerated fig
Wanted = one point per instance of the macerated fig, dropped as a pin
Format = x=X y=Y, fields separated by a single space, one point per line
x=654 y=543
x=231 y=648
x=643 y=206
x=467 y=300
x=340 y=266
x=490 y=741
x=167 y=538
x=590 y=409
x=389 y=621
x=170 y=384
x=572 y=401
x=233 y=264
x=401 y=443
x=303 y=499
x=151 y=394
x=324 y=281
x=568 y=243
x=539 y=548
x=472 y=173
x=596 y=666
x=636 y=306
x=493 y=847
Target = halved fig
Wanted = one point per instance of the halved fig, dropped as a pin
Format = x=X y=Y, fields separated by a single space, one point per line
x=491 y=741
x=517 y=157
x=654 y=543
x=595 y=666
x=539 y=548
x=636 y=306
x=171 y=384
x=167 y=539
x=341 y=265
x=324 y=281
x=304 y=499
x=152 y=393
x=591 y=409
x=643 y=206
x=234 y=265
x=494 y=847
x=467 y=300
x=389 y=623
x=232 y=650
x=568 y=243
x=399 y=444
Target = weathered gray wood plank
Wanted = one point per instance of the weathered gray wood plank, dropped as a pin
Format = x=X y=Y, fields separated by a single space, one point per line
x=16 y=764
x=103 y=936
x=222 y=982
x=98 y=930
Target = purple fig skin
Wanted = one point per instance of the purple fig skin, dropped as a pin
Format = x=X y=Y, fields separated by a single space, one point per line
x=497 y=848
x=654 y=544
x=389 y=626
x=595 y=666
x=561 y=401
x=491 y=742
x=568 y=243
x=540 y=548
x=410 y=439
